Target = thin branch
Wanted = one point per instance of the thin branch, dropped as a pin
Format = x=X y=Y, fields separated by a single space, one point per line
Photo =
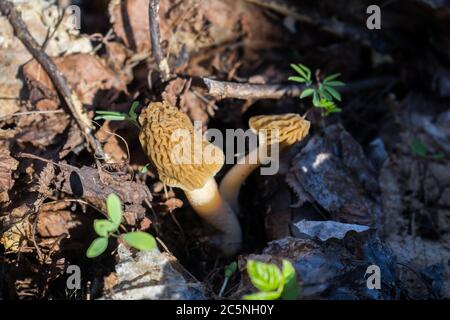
x=155 y=38
x=71 y=99
x=226 y=89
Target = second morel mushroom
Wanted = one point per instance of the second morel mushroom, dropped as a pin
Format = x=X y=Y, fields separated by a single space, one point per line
x=289 y=127
x=184 y=161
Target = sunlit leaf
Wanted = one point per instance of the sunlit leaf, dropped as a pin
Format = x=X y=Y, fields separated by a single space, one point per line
x=291 y=288
x=300 y=71
x=331 y=77
x=263 y=295
x=140 y=240
x=306 y=93
x=264 y=276
x=132 y=113
x=323 y=94
x=114 y=208
x=333 y=92
x=307 y=71
x=103 y=227
x=297 y=79
x=316 y=100
x=97 y=247
x=111 y=117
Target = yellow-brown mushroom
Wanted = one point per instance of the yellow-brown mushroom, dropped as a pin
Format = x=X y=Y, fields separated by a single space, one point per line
x=283 y=130
x=188 y=161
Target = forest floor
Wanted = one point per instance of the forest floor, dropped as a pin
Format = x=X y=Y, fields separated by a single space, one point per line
x=384 y=159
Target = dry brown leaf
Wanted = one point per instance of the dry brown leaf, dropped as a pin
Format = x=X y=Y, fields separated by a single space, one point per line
x=7 y=166
x=87 y=74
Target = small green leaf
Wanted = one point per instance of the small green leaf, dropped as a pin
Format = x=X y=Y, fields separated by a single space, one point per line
x=264 y=276
x=307 y=70
x=132 y=113
x=97 y=247
x=140 y=240
x=108 y=112
x=331 y=77
x=114 y=208
x=418 y=148
x=323 y=94
x=291 y=288
x=335 y=84
x=103 y=227
x=333 y=92
x=316 y=100
x=303 y=72
x=230 y=269
x=331 y=110
x=306 y=93
x=263 y=295
x=297 y=79
x=144 y=169
x=111 y=117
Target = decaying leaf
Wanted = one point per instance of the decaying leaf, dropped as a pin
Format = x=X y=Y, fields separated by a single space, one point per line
x=86 y=73
x=7 y=166
x=86 y=182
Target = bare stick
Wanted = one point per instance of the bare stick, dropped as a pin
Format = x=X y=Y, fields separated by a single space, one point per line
x=71 y=99
x=225 y=89
x=155 y=38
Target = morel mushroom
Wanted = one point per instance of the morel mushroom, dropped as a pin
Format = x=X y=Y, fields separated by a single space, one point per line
x=290 y=127
x=189 y=162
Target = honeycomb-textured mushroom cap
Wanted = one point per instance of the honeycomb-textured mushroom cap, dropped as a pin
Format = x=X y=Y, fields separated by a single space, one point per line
x=167 y=137
x=291 y=127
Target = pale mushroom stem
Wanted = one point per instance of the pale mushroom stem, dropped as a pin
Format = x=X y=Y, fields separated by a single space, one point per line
x=209 y=205
x=231 y=183
x=235 y=177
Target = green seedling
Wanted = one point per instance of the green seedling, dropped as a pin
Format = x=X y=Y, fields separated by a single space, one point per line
x=229 y=271
x=419 y=148
x=119 y=116
x=272 y=282
x=323 y=92
x=105 y=228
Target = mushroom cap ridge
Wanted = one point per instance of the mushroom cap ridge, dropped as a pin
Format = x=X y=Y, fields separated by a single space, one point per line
x=291 y=127
x=159 y=139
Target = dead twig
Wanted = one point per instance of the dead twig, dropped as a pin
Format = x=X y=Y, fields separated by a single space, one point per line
x=155 y=38
x=71 y=99
x=226 y=89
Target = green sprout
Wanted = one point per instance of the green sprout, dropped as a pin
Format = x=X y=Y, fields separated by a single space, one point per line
x=119 y=116
x=272 y=282
x=109 y=227
x=419 y=148
x=229 y=271
x=323 y=92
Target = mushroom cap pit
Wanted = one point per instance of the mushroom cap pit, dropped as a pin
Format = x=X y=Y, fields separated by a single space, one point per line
x=167 y=137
